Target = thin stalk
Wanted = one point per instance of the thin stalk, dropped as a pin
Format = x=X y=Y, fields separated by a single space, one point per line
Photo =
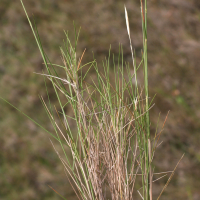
x=148 y=174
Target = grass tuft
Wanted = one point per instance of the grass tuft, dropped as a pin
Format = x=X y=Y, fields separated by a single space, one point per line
x=107 y=147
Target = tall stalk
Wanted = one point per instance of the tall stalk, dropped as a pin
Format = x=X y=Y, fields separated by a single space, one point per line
x=148 y=156
x=147 y=120
x=142 y=124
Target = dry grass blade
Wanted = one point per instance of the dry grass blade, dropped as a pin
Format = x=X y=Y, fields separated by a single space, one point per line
x=170 y=178
x=64 y=80
x=81 y=60
x=129 y=35
x=56 y=192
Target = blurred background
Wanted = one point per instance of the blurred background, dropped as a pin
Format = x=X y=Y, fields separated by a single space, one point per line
x=28 y=163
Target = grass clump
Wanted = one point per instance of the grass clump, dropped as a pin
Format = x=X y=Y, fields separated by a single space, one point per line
x=107 y=147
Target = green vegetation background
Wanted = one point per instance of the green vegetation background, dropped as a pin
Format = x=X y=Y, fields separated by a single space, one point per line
x=28 y=163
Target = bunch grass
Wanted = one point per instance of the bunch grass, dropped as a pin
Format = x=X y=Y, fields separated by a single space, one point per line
x=109 y=143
